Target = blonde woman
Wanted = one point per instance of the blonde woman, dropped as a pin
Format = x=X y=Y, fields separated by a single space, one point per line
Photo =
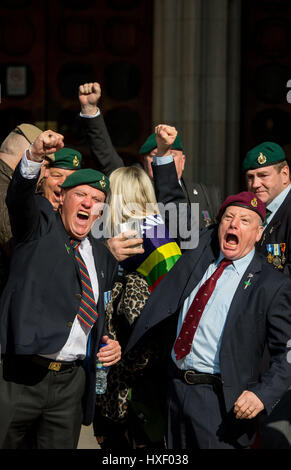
x=132 y=198
x=131 y=195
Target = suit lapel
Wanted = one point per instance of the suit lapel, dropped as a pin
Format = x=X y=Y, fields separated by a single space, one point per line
x=276 y=222
x=196 y=263
x=206 y=258
x=271 y=229
x=242 y=294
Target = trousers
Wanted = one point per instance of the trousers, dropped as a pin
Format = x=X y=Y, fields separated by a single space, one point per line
x=39 y=408
x=197 y=419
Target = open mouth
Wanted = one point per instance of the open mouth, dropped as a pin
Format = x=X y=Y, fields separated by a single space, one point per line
x=82 y=215
x=231 y=239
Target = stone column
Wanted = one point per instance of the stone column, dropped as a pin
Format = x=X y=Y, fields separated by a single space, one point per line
x=196 y=81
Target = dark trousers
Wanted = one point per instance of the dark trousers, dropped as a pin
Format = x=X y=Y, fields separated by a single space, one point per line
x=197 y=418
x=39 y=408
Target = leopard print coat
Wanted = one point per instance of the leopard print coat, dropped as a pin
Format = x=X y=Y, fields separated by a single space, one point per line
x=128 y=300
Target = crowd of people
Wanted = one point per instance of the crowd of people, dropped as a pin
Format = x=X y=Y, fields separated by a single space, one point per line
x=195 y=340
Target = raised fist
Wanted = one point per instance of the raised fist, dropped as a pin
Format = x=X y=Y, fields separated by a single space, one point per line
x=46 y=143
x=89 y=95
x=165 y=136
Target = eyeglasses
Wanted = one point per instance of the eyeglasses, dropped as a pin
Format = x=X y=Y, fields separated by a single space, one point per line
x=19 y=132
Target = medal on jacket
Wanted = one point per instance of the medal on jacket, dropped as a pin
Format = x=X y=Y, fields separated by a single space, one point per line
x=206 y=218
x=274 y=254
x=270 y=256
x=277 y=253
x=283 y=250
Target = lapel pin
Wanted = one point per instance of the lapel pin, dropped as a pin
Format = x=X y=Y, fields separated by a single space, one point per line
x=102 y=274
x=248 y=282
x=67 y=248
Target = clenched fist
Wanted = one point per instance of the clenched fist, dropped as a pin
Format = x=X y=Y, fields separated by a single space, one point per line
x=89 y=95
x=165 y=136
x=46 y=143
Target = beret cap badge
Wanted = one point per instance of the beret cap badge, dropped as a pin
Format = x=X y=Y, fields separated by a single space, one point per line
x=264 y=154
x=247 y=200
x=103 y=182
x=88 y=176
x=262 y=159
x=76 y=161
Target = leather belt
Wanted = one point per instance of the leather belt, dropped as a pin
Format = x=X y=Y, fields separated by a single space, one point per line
x=193 y=377
x=55 y=366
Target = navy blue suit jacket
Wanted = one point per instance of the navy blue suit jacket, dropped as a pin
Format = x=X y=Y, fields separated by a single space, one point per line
x=259 y=314
x=279 y=231
x=43 y=292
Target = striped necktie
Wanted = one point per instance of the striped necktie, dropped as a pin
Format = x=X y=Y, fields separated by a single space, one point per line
x=87 y=309
x=268 y=213
x=183 y=343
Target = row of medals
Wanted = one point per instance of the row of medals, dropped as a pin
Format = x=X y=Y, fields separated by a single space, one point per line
x=276 y=260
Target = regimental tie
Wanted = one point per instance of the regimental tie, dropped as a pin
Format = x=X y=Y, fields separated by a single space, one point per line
x=184 y=341
x=268 y=213
x=87 y=309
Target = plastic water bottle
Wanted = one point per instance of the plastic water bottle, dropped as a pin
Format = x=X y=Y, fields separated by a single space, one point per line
x=101 y=376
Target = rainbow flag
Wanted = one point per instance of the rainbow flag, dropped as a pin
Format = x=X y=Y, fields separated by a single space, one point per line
x=161 y=252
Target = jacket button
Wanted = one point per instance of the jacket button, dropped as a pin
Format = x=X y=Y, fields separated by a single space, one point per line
x=78 y=296
x=69 y=324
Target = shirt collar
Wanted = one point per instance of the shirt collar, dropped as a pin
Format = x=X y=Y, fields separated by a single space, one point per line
x=240 y=265
x=85 y=242
x=276 y=203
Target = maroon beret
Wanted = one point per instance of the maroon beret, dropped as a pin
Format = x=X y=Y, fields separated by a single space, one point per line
x=245 y=199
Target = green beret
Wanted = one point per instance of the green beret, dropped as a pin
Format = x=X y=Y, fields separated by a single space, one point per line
x=67 y=159
x=151 y=143
x=93 y=178
x=265 y=154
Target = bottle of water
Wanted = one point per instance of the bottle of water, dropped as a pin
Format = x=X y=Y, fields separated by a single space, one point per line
x=101 y=376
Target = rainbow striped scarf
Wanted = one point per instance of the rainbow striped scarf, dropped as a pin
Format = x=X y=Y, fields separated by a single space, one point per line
x=161 y=252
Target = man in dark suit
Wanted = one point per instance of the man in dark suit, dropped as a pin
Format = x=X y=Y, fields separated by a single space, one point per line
x=51 y=333
x=268 y=176
x=94 y=127
x=208 y=197
x=216 y=390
